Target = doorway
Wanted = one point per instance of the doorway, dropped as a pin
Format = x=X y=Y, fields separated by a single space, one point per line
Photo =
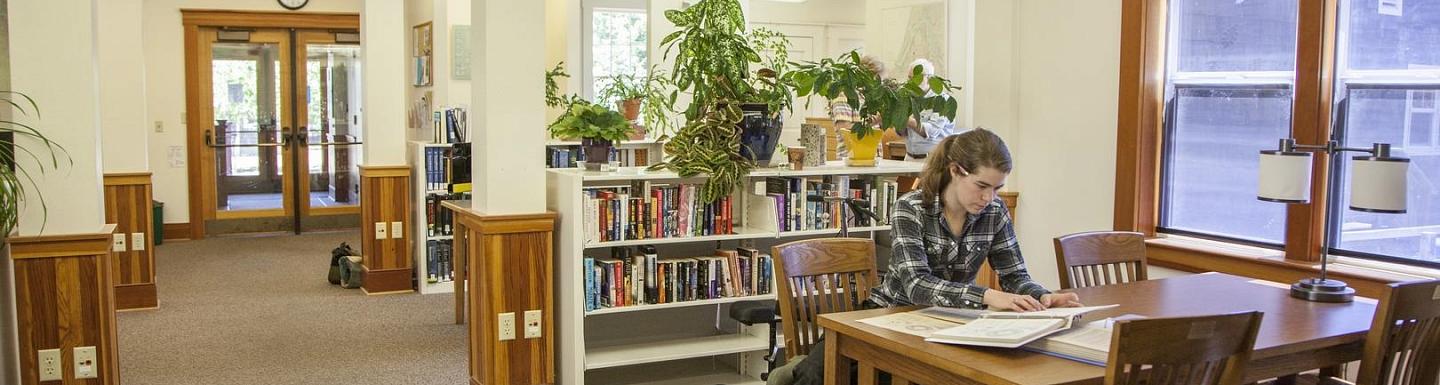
x=275 y=125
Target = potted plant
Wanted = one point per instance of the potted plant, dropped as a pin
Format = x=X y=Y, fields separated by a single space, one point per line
x=713 y=56
x=597 y=127
x=883 y=102
x=648 y=100
x=14 y=177
x=625 y=91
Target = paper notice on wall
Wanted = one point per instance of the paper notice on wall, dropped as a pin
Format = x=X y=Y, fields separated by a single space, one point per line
x=176 y=156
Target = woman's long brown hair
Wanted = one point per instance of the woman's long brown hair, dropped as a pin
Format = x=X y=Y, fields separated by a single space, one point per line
x=970 y=150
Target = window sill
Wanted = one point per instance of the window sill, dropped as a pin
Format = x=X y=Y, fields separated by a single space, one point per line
x=1198 y=256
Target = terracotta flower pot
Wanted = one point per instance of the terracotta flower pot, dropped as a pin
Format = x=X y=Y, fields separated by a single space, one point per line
x=630 y=109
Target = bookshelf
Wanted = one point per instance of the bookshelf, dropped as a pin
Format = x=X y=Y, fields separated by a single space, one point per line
x=630 y=153
x=685 y=342
x=431 y=181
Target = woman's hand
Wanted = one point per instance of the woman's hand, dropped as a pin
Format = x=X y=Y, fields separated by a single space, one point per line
x=999 y=300
x=1061 y=300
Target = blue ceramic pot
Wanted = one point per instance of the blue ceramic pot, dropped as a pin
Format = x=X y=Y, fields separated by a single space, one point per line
x=759 y=134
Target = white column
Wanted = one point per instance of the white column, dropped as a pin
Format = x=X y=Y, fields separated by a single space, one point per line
x=507 y=123
x=383 y=67
x=53 y=59
x=123 y=126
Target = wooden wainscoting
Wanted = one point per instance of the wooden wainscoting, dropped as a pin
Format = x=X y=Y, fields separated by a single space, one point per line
x=384 y=198
x=177 y=231
x=129 y=206
x=987 y=276
x=64 y=298
x=511 y=271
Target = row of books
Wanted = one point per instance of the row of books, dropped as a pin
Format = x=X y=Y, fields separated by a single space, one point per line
x=800 y=205
x=567 y=156
x=437 y=167
x=439 y=220
x=439 y=261
x=645 y=211
x=633 y=277
x=450 y=126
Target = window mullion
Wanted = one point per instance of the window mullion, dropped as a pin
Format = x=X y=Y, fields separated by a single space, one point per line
x=1311 y=121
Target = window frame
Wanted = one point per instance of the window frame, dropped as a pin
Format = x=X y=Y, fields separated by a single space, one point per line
x=1141 y=129
x=587 y=32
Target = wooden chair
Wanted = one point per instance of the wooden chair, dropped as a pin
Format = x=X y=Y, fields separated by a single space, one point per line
x=819 y=276
x=1100 y=258
x=1205 y=350
x=1403 y=346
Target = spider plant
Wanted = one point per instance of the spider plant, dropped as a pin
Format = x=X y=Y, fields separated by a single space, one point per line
x=15 y=179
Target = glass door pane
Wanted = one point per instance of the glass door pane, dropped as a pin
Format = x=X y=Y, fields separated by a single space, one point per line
x=332 y=132
x=248 y=140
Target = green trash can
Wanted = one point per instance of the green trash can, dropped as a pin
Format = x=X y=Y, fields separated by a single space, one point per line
x=158 y=213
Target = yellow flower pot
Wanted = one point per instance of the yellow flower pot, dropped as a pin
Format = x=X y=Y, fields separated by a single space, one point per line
x=862 y=150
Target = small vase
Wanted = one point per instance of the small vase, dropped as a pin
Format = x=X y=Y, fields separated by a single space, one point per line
x=597 y=152
x=862 y=150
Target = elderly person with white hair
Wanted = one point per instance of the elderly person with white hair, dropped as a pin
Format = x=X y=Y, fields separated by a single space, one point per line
x=922 y=136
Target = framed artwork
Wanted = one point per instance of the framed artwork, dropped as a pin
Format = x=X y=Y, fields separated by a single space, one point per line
x=424 y=54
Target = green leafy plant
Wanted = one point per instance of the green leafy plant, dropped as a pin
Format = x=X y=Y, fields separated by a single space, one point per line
x=623 y=87
x=714 y=56
x=583 y=119
x=882 y=102
x=14 y=179
x=552 y=87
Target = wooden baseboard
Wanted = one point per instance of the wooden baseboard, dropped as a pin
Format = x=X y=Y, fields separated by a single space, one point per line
x=177 y=231
x=136 y=297
x=386 y=281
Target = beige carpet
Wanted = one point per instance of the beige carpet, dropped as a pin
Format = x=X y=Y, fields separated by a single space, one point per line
x=258 y=310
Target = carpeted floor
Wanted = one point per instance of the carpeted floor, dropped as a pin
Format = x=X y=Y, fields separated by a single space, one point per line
x=258 y=310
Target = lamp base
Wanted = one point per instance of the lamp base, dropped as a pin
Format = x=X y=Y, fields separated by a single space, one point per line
x=1317 y=290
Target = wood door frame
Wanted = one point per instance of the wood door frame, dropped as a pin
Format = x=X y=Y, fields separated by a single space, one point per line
x=193 y=20
x=302 y=109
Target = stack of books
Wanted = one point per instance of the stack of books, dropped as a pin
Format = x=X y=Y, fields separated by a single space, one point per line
x=646 y=211
x=800 y=205
x=437 y=168
x=439 y=261
x=638 y=277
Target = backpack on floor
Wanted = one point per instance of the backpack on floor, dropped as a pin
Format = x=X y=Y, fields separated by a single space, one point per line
x=350 y=272
x=335 y=255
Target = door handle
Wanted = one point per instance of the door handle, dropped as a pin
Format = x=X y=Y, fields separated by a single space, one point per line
x=210 y=142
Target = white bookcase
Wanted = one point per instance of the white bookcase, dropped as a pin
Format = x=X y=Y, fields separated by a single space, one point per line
x=691 y=342
x=422 y=237
x=653 y=147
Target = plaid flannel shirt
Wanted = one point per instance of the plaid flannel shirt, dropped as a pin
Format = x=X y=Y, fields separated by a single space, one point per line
x=932 y=267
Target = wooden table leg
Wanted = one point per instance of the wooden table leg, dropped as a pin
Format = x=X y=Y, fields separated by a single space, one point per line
x=837 y=367
x=457 y=273
x=867 y=374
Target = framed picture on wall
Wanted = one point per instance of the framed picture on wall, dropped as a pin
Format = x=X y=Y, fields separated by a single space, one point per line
x=423 y=54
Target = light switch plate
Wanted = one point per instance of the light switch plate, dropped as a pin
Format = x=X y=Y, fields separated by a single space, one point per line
x=532 y=324
x=397 y=230
x=507 y=326
x=138 y=239
x=380 y=232
x=49 y=365
x=86 y=366
x=118 y=244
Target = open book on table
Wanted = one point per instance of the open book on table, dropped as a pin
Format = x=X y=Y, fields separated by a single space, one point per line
x=1088 y=343
x=1006 y=329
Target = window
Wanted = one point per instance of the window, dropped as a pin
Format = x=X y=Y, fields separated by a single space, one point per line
x=1388 y=75
x=1228 y=96
x=1240 y=75
x=617 y=44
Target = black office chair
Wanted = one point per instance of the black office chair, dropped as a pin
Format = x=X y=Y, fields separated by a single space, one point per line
x=751 y=313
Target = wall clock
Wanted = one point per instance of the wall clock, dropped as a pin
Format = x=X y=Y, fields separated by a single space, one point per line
x=293 y=4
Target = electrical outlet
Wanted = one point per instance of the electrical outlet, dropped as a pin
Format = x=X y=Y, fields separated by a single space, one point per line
x=397 y=230
x=85 y=364
x=507 y=326
x=380 y=228
x=49 y=365
x=532 y=324
x=119 y=242
x=138 y=239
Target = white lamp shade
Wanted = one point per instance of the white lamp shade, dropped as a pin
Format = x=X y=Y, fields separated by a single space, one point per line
x=1378 y=184
x=1284 y=177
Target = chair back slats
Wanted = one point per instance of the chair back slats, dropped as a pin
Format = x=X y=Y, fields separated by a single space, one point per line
x=1205 y=350
x=1403 y=346
x=1100 y=258
x=820 y=276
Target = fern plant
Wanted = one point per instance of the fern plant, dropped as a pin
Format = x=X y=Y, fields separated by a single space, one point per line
x=14 y=179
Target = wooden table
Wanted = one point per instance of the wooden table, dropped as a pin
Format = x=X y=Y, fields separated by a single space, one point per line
x=1295 y=336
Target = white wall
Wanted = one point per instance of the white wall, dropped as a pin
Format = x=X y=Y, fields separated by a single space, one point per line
x=164 y=53
x=1064 y=148
x=53 y=60
x=384 y=68
x=810 y=12
x=122 y=86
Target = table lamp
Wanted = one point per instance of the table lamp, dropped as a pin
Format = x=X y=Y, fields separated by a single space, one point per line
x=1377 y=185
